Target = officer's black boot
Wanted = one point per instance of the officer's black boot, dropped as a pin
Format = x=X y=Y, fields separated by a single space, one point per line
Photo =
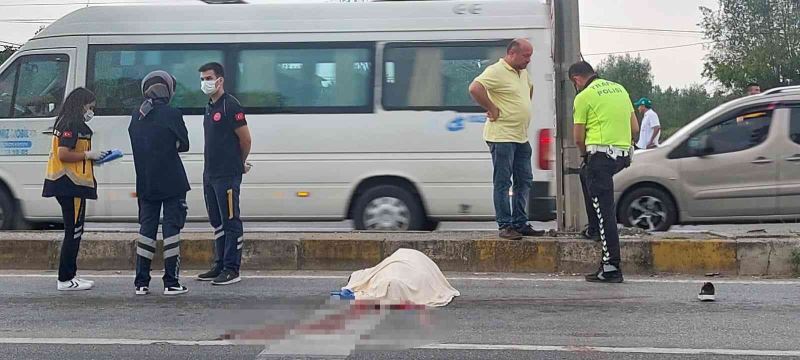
x=606 y=274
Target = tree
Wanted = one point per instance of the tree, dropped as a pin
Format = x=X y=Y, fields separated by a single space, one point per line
x=678 y=107
x=6 y=53
x=753 y=40
x=10 y=49
x=634 y=73
x=675 y=107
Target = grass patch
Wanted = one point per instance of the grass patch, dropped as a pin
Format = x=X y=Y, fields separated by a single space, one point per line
x=795 y=261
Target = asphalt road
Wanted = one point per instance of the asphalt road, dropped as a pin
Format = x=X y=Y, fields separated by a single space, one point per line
x=498 y=316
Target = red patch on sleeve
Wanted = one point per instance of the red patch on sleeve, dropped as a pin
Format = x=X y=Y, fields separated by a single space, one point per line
x=67 y=134
x=217 y=116
x=240 y=116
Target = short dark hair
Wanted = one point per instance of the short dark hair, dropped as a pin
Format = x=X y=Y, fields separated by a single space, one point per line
x=752 y=84
x=513 y=45
x=581 y=68
x=219 y=71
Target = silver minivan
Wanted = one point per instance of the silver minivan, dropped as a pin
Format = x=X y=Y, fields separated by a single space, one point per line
x=740 y=162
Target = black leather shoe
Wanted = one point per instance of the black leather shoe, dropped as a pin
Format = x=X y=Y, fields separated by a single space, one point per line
x=528 y=230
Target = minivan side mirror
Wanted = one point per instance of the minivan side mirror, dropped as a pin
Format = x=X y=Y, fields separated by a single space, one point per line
x=700 y=146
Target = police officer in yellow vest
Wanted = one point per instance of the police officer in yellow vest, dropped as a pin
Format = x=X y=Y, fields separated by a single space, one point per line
x=605 y=124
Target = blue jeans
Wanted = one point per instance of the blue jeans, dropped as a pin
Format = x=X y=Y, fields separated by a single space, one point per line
x=511 y=161
x=222 y=204
x=175 y=211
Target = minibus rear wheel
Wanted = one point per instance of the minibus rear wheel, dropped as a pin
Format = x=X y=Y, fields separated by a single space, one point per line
x=388 y=208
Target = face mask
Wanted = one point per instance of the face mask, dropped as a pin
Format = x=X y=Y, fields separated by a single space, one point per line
x=88 y=116
x=208 y=86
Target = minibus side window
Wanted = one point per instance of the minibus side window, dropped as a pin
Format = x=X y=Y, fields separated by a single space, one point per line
x=116 y=73
x=305 y=80
x=435 y=76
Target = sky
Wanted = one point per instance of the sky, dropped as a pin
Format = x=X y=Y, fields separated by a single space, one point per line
x=677 y=65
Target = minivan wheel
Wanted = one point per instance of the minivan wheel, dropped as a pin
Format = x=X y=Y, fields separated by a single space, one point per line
x=648 y=208
x=8 y=215
x=388 y=208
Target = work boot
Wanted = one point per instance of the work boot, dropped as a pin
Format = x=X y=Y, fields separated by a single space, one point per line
x=588 y=234
x=510 y=234
x=606 y=274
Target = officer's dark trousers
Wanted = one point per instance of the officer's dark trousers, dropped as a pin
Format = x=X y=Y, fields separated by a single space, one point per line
x=222 y=204
x=175 y=211
x=597 y=181
x=73 y=211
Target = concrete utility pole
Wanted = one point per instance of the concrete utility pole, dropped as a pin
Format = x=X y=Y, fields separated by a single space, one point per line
x=571 y=215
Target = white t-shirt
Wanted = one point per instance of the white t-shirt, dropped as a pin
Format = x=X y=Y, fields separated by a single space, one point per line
x=649 y=121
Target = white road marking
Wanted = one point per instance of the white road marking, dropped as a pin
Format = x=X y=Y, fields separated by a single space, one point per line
x=489 y=347
x=97 y=341
x=609 y=349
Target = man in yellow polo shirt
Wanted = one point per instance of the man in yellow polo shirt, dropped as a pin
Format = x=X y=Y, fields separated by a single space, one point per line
x=505 y=91
x=605 y=125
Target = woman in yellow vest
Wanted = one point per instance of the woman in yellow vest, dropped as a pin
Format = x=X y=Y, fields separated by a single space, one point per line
x=70 y=179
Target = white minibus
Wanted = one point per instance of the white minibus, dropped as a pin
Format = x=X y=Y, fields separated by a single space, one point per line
x=357 y=110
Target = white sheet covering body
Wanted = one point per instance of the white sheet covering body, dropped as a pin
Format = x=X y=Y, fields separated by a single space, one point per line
x=405 y=276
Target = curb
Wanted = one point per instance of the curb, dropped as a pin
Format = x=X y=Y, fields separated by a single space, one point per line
x=452 y=251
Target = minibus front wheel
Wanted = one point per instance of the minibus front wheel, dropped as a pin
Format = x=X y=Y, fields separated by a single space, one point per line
x=8 y=212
